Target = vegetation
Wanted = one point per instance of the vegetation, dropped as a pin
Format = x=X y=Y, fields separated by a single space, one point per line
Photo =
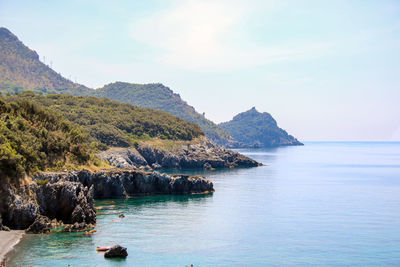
x=21 y=69
x=157 y=96
x=253 y=128
x=33 y=139
x=113 y=123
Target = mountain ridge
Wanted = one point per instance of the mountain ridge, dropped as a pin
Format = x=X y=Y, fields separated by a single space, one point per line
x=159 y=96
x=21 y=69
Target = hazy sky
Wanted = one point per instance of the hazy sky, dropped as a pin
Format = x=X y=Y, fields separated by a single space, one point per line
x=326 y=70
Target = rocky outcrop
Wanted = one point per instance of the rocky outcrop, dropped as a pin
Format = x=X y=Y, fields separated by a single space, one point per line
x=42 y=224
x=124 y=158
x=125 y=183
x=67 y=198
x=32 y=206
x=116 y=252
x=201 y=154
x=68 y=201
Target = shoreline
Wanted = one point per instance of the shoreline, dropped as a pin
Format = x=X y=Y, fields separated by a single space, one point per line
x=8 y=241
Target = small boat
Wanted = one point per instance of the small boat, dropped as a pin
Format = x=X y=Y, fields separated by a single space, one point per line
x=102 y=248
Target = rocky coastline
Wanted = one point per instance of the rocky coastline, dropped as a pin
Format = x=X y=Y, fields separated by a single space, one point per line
x=201 y=154
x=66 y=199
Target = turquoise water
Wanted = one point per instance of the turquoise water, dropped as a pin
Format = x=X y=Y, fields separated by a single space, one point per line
x=324 y=204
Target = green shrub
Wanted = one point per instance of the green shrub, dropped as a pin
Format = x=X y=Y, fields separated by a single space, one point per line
x=42 y=182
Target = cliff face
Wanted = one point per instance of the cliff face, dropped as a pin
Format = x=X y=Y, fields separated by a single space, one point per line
x=67 y=199
x=255 y=129
x=199 y=154
x=126 y=183
x=68 y=202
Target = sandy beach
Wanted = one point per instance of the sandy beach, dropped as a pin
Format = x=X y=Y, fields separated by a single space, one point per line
x=8 y=239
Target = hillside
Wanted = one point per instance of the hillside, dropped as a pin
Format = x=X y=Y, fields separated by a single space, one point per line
x=113 y=123
x=34 y=139
x=158 y=96
x=256 y=129
x=142 y=137
x=21 y=69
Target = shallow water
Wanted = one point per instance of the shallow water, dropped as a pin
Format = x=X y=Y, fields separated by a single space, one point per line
x=324 y=204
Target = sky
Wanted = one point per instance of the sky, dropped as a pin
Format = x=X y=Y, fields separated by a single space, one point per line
x=325 y=70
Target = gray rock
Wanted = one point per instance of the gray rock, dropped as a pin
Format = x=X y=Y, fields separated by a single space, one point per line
x=77 y=227
x=207 y=166
x=124 y=158
x=156 y=166
x=23 y=207
x=116 y=252
x=68 y=197
x=42 y=224
x=18 y=207
x=191 y=155
x=125 y=183
x=195 y=156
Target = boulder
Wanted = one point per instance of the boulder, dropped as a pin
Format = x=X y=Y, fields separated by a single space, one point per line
x=3 y=227
x=41 y=225
x=207 y=166
x=77 y=227
x=116 y=252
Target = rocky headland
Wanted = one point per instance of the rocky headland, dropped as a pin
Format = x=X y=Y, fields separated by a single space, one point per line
x=66 y=199
x=200 y=153
x=255 y=129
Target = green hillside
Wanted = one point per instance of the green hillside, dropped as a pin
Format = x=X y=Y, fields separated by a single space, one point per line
x=33 y=139
x=113 y=123
x=252 y=128
x=21 y=69
x=158 y=96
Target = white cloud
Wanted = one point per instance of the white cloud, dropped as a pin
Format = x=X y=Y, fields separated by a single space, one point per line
x=204 y=35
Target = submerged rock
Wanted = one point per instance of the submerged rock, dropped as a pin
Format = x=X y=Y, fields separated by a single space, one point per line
x=116 y=252
x=77 y=227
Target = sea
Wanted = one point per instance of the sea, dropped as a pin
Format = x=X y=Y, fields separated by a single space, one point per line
x=322 y=204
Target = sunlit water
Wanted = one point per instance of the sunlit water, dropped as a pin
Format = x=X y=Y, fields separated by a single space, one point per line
x=324 y=204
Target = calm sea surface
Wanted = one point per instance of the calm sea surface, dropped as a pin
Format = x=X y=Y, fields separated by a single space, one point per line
x=324 y=204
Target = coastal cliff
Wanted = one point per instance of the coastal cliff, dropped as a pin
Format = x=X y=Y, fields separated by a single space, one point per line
x=199 y=153
x=127 y=183
x=67 y=198
x=64 y=201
